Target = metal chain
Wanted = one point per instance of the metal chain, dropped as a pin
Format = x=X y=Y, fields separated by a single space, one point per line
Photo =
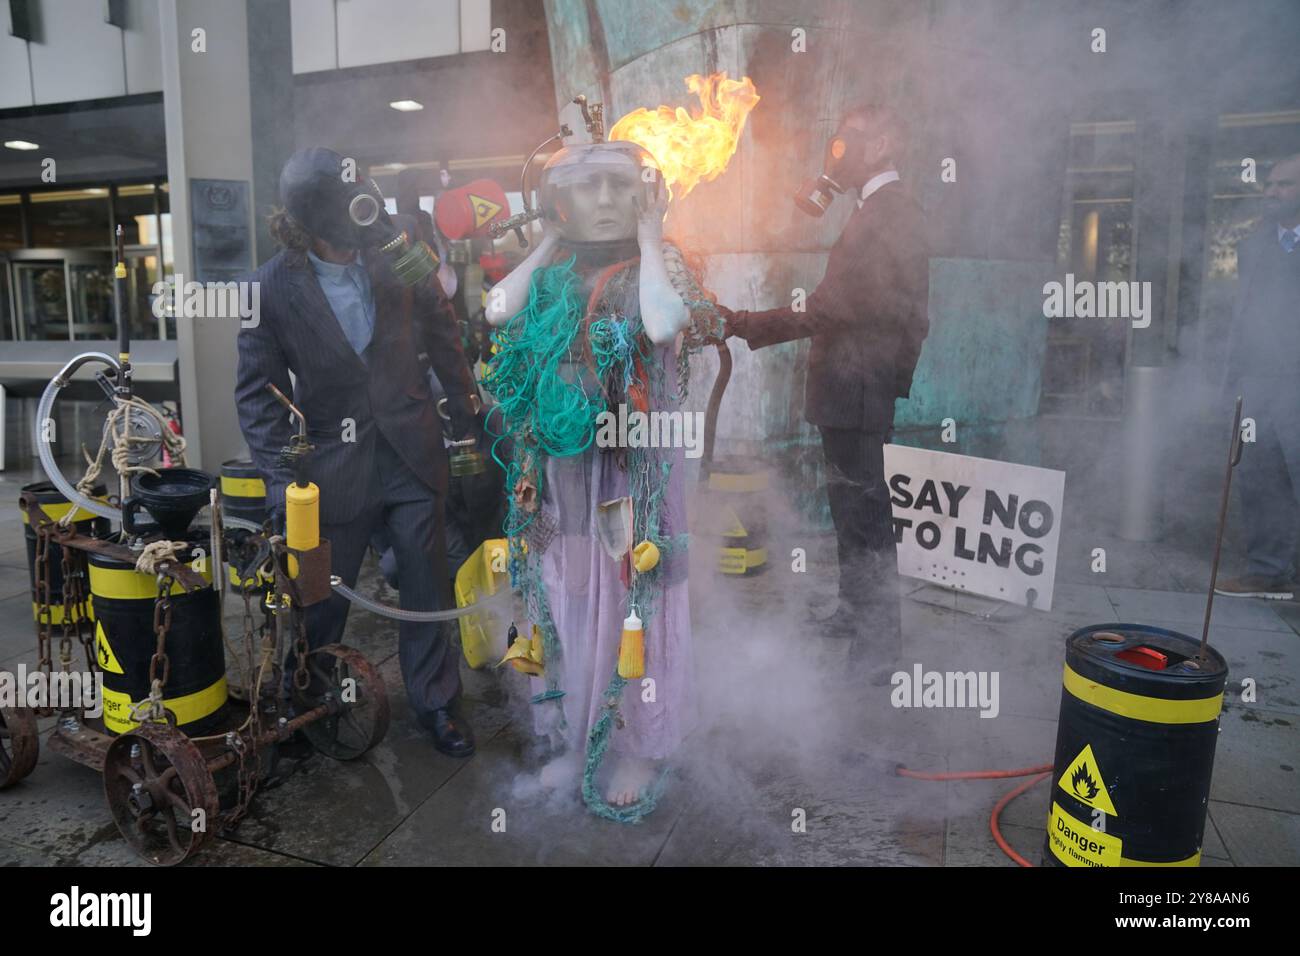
x=75 y=590
x=151 y=708
x=249 y=665
x=301 y=679
x=65 y=639
x=247 y=774
x=162 y=622
x=44 y=612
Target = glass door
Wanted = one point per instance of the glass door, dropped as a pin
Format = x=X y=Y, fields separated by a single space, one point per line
x=41 y=300
x=62 y=294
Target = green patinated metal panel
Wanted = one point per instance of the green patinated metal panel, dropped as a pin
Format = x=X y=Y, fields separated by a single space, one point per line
x=982 y=361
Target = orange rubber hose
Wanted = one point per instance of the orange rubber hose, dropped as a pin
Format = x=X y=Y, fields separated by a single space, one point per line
x=971 y=774
x=1001 y=805
x=1042 y=773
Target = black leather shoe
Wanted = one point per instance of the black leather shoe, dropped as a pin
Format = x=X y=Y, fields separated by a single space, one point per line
x=451 y=734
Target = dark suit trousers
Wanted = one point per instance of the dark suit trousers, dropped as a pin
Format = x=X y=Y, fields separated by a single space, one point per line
x=412 y=516
x=859 y=498
x=1270 y=492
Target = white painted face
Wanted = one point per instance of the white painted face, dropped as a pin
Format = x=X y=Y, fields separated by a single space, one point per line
x=591 y=192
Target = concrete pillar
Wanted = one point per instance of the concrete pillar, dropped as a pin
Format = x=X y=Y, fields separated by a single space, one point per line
x=1150 y=408
x=270 y=62
x=208 y=119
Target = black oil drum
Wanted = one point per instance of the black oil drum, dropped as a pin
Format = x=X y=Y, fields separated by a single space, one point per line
x=125 y=641
x=735 y=514
x=243 y=495
x=1134 y=748
x=56 y=506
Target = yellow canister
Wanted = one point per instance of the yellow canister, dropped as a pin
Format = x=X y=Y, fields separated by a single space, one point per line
x=301 y=519
x=631 y=649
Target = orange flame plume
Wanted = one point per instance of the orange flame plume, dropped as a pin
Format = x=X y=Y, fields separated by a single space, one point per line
x=693 y=149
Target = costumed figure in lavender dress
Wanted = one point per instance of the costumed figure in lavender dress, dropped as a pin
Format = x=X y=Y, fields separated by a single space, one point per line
x=601 y=314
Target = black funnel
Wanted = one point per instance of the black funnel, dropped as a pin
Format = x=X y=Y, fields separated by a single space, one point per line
x=172 y=498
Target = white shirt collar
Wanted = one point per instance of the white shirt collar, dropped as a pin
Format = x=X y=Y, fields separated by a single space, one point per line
x=876 y=181
x=1282 y=231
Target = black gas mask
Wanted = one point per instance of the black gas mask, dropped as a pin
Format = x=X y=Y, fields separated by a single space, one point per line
x=844 y=168
x=349 y=215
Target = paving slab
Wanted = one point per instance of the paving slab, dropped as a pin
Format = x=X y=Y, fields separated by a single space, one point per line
x=853 y=813
x=1288 y=611
x=493 y=813
x=1270 y=658
x=1187 y=610
x=1135 y=564
x=15 y=581
x=970 y=843
x=13 y=557
x=1256 y=836
x=1257 y=760
x=1212 y=845
x=17 y=629
x=336 y=813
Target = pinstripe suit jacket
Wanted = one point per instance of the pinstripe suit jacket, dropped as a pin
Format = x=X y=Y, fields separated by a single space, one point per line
x=390 y=396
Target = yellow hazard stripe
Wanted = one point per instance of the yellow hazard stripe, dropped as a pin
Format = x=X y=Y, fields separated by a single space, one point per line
x=121 y=584
x=722 y=481
x=57 y=510
x=189 y=708
x=740 y=560
x=1153 y=710
x=243 y=487
x=1096 y=855
x=258 y=579
x=1193 y=860
x=56 y=613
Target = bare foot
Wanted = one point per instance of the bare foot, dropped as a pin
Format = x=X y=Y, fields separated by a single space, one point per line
x=628 y=781
x=563 y=771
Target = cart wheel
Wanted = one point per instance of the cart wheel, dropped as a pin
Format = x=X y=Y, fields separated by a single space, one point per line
x=19 y=744
x=342 y=674
x=161 y=794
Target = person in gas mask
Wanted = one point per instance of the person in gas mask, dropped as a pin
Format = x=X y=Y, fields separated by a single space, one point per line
x=349 y=306
x=867 y=319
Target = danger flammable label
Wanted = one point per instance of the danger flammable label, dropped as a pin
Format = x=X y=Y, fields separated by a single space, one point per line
x=1082 y=780
x=1077 y=844
x=731 y=526
x=107 y=659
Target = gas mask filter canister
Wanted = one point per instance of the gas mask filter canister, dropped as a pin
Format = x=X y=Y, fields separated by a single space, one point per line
x=842 y=170
x=349 y=215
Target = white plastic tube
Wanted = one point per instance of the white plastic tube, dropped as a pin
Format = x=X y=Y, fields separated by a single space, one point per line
x=419 y=617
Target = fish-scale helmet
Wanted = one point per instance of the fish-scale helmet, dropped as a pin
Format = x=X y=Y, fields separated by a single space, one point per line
x=592 y=191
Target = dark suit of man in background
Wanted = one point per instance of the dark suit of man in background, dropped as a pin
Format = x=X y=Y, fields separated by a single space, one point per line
x=355 y=340
x=1264 y=368
x=867 y=320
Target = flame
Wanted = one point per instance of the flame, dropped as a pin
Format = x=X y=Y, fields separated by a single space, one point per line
x=693 y=148
x=1083 y=784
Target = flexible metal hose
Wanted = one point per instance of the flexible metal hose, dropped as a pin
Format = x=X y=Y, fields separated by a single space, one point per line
x=416 y=617
x=46 y=453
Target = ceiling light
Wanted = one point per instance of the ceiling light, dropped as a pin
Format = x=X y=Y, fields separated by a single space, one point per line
x=406 y=106
x=20 y=144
